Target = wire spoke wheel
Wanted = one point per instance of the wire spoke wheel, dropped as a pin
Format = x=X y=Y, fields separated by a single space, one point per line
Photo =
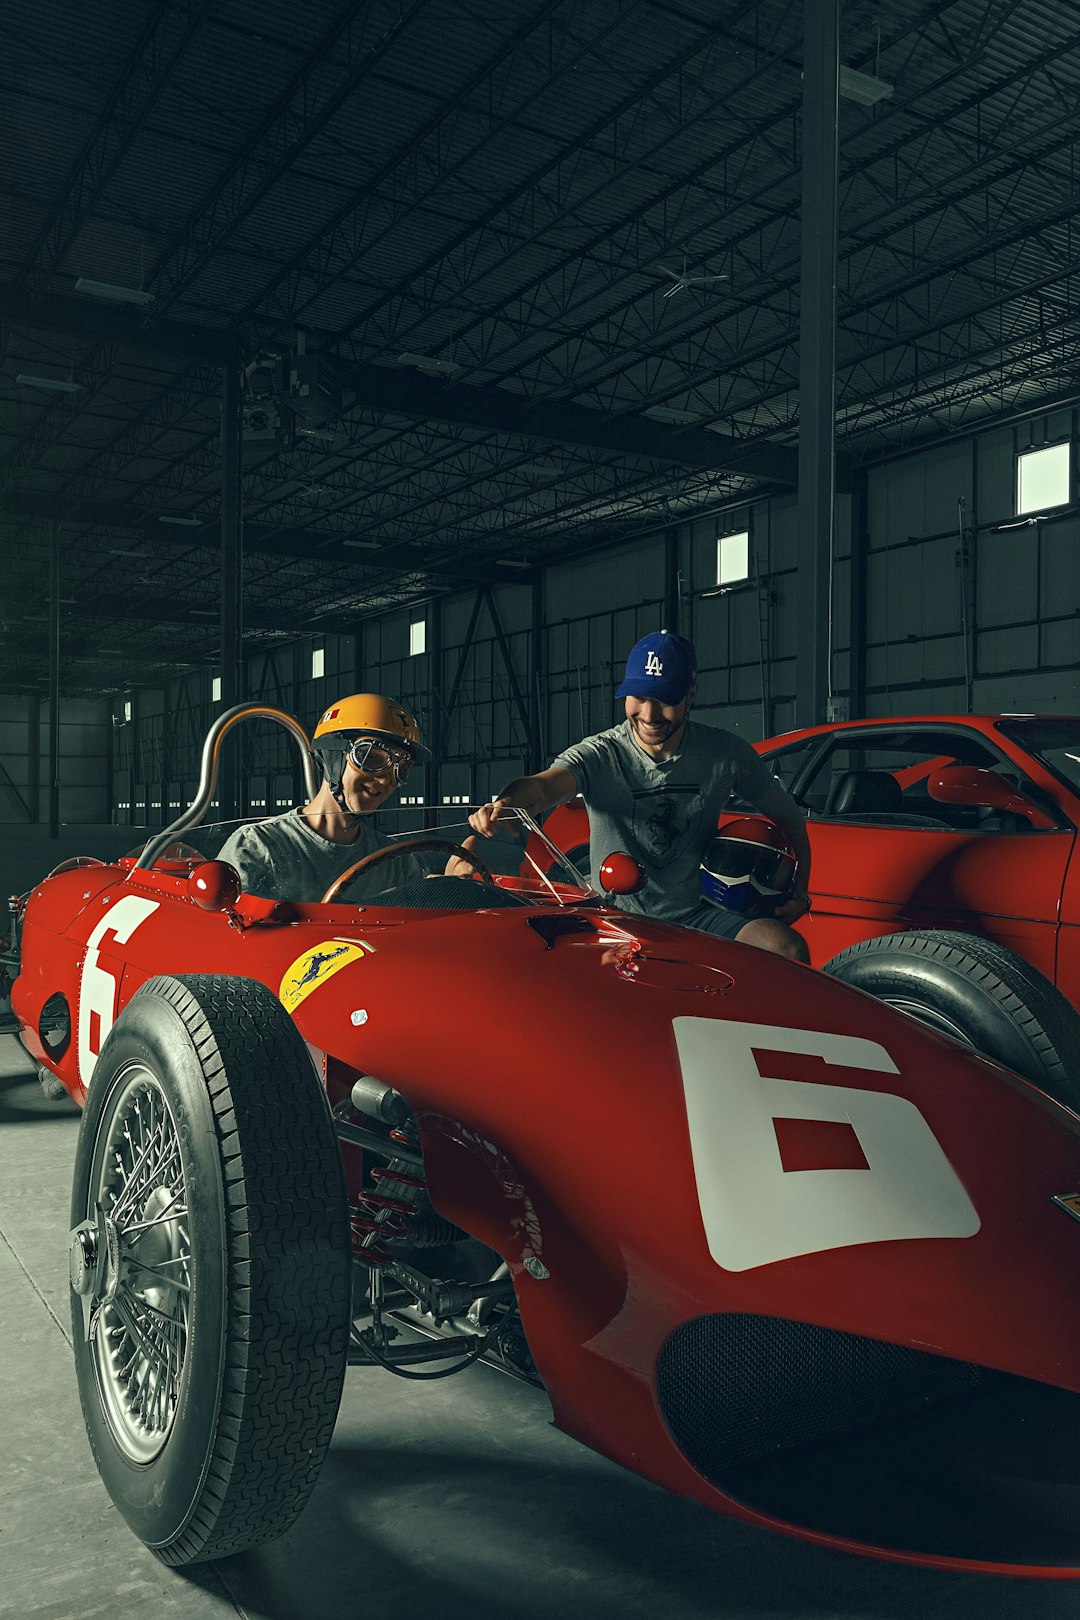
x=210 y=1265
x=140 y=1335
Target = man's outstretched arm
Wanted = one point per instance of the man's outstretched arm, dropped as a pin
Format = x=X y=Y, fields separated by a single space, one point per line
x=533 y=794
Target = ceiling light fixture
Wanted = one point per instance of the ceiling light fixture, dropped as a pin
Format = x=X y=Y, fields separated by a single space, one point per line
x=203 y=613
x=59 y=385
x=366 y=545
x=115 y=294
x=513 y=562
x=178 y=518
x=428 y=362
x=864 y=88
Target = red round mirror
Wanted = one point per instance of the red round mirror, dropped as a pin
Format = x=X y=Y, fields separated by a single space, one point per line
x=214 y=885
x=621 y=874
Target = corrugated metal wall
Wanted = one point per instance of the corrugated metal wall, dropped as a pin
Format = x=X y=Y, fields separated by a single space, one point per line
x=952 y=603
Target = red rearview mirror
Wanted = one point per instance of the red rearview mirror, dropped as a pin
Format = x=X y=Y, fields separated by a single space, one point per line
x=621 y=874
x=971 y=784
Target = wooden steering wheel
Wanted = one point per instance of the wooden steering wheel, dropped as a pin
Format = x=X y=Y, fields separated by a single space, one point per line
x=414 y=846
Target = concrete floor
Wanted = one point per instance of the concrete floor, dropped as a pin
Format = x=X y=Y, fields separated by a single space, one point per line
x=453 y=1501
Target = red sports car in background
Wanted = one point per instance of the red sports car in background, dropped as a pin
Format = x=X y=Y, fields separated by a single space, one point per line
x=943 y=852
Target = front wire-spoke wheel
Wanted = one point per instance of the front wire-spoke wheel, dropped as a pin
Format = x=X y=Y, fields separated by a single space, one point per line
x=139 y=1343
x=210 y=1265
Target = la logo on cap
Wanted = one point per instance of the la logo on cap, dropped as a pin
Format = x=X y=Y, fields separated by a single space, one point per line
x=653 y=666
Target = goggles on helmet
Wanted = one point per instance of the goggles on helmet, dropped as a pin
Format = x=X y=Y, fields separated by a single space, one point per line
x=375 y=758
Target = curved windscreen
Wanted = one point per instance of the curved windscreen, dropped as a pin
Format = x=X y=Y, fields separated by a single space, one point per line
x=1053 y=740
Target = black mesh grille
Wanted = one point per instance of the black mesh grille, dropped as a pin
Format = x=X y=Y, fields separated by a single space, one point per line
x=734 y=1389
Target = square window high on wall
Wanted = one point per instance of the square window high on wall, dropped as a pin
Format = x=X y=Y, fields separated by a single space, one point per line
x=417 y=636
x=733 y=557
x=1043 y=477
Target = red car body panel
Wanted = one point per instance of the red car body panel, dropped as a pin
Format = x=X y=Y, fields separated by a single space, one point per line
x=574 y=1083
x=1012 y=887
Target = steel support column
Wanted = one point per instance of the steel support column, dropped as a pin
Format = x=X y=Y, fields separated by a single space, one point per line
x=857 y=603
x=54 y=681
x=538 y=759
x=672 y=582
x=508 y=660
x=817 y=358
x=232 y=657
x=33 y=748
x=433 y=774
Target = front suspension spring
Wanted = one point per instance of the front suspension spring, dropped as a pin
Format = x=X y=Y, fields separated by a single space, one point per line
x=386 y=1209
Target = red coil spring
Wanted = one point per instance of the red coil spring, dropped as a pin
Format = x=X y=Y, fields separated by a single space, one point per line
x=379 y=1215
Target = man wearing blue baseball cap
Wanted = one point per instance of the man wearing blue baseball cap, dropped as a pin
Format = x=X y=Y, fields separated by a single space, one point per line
x=655 y=785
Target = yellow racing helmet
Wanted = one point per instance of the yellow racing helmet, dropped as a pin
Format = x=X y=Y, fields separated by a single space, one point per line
x=370 y=715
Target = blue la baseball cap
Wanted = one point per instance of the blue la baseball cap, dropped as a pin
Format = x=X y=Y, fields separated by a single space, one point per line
x=661 y=666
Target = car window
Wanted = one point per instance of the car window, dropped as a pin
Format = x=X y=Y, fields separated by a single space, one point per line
x=881 y=777
x=788 y=766
x=1054 y=741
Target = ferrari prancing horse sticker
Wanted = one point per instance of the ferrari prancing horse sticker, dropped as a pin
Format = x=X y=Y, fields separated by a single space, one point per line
x=317 y=965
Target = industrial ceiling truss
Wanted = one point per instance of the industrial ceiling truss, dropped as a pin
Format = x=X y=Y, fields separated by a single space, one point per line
x=498 y=284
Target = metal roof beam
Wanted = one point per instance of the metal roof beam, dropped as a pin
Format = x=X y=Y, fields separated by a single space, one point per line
x=497 y=410
x=119 y=324
x=311 y=545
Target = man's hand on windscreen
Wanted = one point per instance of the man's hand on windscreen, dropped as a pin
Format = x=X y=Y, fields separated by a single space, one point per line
x=485 y=819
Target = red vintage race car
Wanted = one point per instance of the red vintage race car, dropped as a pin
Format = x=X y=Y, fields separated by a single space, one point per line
x=763 y=1240
x=943 y=856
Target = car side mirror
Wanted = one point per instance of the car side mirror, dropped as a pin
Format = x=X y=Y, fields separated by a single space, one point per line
x=621 y=874
x=974 y=785
x=214 y=885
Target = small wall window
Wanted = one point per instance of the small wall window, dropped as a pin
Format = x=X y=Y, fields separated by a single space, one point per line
x=318 y=662
x=733 y=558
x=1042 y=478
x=127 y=711
x=215 y=689
x=417 y=636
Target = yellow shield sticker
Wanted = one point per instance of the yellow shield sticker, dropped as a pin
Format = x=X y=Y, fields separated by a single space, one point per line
x=316 y=966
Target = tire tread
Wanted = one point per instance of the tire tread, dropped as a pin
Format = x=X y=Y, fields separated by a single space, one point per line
x=283 y=1183
x=1048 y=1026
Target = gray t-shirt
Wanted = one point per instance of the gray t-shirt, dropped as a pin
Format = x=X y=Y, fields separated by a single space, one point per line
x=663 y=812
x=283 y=858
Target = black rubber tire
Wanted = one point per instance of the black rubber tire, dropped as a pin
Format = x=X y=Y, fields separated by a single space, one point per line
x=978 y=992
x=267 y=1252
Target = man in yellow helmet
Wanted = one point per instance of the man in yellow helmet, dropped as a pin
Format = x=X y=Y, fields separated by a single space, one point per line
x=366 y=745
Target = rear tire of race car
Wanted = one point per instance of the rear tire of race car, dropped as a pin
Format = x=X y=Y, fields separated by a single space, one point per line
x=978 y=993
x=210 y=1267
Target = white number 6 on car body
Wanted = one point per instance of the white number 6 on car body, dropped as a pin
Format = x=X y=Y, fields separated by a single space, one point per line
x=756 y=1212
x=97 y=986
